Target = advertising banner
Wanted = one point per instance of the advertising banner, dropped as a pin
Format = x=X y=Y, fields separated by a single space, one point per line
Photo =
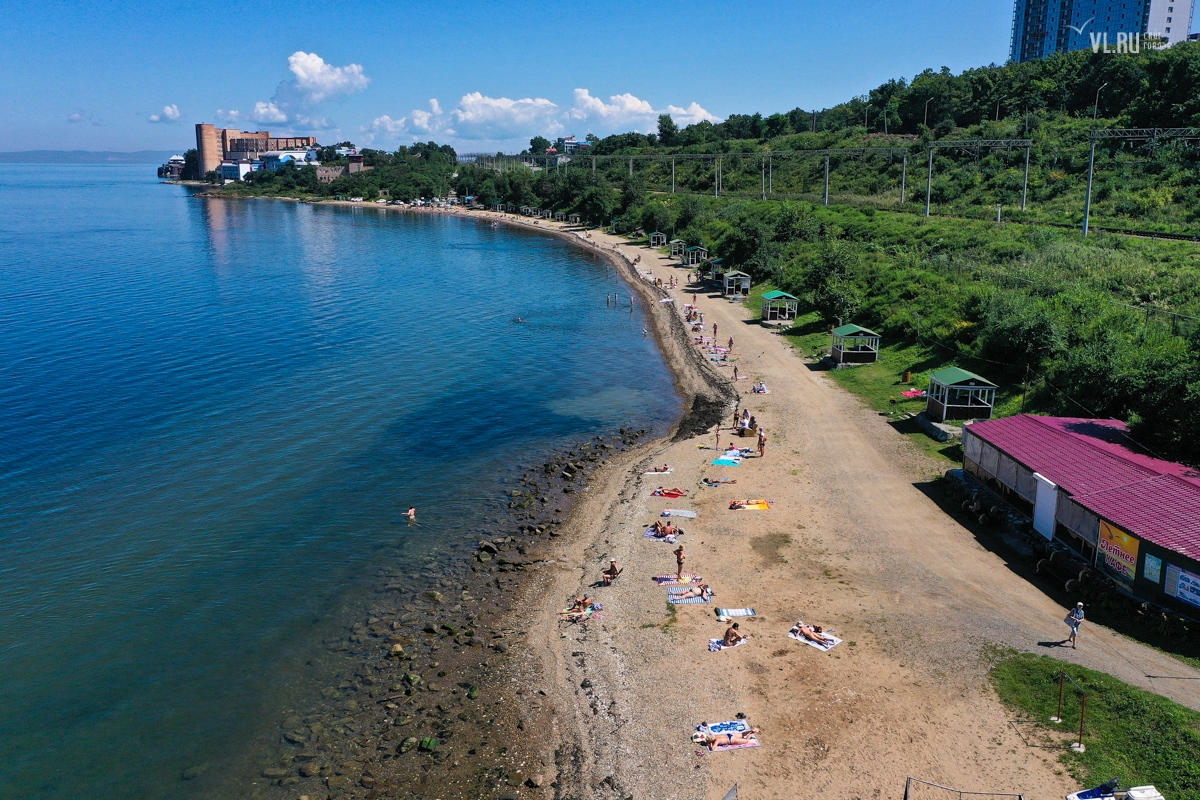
x=1152 y=569
x=1120 y=550
x=1183 y=585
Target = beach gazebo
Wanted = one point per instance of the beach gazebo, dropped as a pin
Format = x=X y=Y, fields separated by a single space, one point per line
x=694 y=255
x=560 y=216
x=524 y=210
x=677 y=247
x=957 y=394
x=779 y=305
x=547 y=213
x=735 y=282
x=498 y=205
x=658 y=239
x=533 y=211
x=510 y=208
x=853 y=344
x=573 y=219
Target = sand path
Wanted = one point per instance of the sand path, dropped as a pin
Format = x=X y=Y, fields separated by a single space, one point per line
x=851 y=543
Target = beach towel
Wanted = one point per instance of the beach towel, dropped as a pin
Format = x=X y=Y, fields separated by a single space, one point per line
x=670 y=580
x=754 y=505
x=727 y=462
x=793 y=634
x=735 y=612
x=678 y=512
x=670 y=493
x=913 y=393
x=716 y=646
x=731 y=726
x=667 y=300
x=649 y=534
x=655 y=472
x=674 y=598
x=742 y=378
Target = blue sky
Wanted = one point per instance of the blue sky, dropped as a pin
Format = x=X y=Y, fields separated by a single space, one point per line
x=480 y=75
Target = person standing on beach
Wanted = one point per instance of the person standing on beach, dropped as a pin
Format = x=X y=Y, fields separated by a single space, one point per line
x=734 y=368
x=680 y=557
x=714 y=333
x=731 y=344
x=762 y=443
x=718 y=436
x=1074 y=620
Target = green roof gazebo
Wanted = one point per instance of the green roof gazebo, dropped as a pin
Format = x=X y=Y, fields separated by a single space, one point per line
x=559 y=216
x=694 y=255
x=779 y=305
x=573 y=219
x=853 y=344
x=955 y=393
x=734 y=282
x=677 y=247
x=658 y=239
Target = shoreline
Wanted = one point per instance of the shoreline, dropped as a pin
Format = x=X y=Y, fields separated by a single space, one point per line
x=853 y=540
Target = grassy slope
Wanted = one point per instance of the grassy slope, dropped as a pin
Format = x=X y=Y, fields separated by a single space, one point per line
x=1129 y=733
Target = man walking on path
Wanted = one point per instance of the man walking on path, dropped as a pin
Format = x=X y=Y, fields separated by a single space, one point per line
x=1074 y=620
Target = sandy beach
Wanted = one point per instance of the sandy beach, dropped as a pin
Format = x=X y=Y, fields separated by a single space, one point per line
x=851 y=541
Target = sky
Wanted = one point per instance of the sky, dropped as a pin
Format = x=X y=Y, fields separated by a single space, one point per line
x=482 y=76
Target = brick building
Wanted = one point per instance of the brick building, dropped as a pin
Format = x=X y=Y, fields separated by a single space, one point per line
x=228 y=144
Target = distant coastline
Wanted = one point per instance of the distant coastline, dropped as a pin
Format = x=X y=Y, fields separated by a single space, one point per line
x=85 y=157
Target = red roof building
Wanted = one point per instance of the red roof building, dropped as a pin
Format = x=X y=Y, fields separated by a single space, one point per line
x=1088 y=484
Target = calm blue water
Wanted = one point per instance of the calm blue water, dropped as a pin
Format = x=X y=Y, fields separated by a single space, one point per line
x=212 y=414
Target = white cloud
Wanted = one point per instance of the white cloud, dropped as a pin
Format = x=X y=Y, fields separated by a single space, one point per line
x=268 y=112
x=320 y=81
x=503 y=121
x=76 y=117
x=168 y=114
x=228 y=116
x=690 y=115
x=298 y=102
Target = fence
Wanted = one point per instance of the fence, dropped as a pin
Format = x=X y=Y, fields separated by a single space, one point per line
x=912 y=792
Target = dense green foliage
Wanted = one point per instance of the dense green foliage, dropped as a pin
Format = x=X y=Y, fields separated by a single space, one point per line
x=1130 y=734
x=419 y=170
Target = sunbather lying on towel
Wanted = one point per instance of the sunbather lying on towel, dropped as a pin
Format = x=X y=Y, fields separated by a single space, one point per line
x=717 y=481
x=715 y=740
x=663 y=468
x=732 y=636
x=675 y=492
x=736 y=504
x=664 y=529
x=813 y=633
x=695 y=591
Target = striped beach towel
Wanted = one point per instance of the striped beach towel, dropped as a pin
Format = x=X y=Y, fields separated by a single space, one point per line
x=735 y=612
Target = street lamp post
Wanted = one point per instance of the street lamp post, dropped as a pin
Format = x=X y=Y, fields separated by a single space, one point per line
x=1096 y=105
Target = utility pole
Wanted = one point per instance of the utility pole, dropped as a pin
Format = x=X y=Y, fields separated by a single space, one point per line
x=631 y=166
x=926 y=123
x=929 y=182
x=903 y=176
x=1025 y=183
x=918 y=316
x=672 y=175
x=1024 y=388
x=826 y=180
x=814 y=130
x=1087 y=205
x=763 y=165
x=770 y=174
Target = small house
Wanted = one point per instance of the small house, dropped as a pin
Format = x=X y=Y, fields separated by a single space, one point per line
x=560 y=216
x=695 y=255
x=735 y=283
x=658 y=239
x=677 y=247
x=547 y=213
x=573 y=219
x=524 y=210
x=957 y=394
x=533 y=211
x=779 y=305
x=853 y=344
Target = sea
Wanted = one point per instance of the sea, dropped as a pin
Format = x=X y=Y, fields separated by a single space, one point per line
x=213 y=416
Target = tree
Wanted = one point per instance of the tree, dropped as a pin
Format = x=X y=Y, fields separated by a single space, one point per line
x=538 y=145
x=597 y=203
x=656 y=217
x=191 y=165
x=828 y=283
x=668 y=131
x=212 y=176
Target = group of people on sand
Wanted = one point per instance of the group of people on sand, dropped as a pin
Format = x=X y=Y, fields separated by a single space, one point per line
x=665 y=530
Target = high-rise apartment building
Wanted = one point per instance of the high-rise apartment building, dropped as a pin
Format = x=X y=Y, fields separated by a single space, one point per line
x=1042 y=27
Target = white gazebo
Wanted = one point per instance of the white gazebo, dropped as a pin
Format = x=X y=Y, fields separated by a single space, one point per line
x=736 y=282
x=560 y=216
x=779 y=305
x=853 y=344
x=677 y=247
x=694 y=255
x=658 y=239
x=957 y=394
x=573 y=219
